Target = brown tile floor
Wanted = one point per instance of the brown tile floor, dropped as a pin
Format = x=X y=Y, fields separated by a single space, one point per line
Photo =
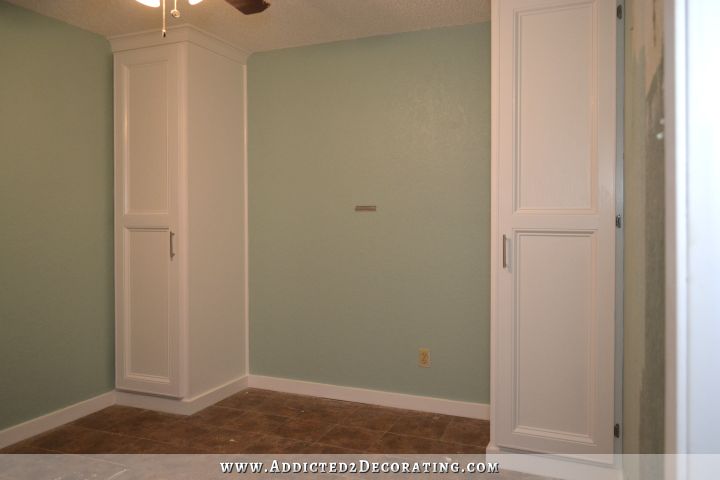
x=261 y=421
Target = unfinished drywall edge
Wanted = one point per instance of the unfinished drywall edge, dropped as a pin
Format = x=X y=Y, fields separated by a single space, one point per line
x=644 y=232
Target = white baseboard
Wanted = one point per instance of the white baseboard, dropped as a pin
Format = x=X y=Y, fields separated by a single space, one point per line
x=36 y=426
x=186 y=406
x=374 y=397
x=194 y=404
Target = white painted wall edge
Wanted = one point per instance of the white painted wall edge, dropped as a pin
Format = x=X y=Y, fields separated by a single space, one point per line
x=25 y=430
x=186 y=406
x=374 y=397
x=676 y=245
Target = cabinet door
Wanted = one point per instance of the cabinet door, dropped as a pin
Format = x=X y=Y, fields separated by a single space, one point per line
x=554 y=114
x=146 y=220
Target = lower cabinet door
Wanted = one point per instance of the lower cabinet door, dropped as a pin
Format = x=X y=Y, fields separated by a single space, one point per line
x=148 y=354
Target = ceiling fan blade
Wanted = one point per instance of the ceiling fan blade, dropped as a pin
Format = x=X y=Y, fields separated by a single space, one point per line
x=249 y=7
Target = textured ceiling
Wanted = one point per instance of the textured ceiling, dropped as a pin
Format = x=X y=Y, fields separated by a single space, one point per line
x=287 y=23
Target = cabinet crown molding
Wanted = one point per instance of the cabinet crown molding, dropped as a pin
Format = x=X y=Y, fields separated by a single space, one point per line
x=178 y=34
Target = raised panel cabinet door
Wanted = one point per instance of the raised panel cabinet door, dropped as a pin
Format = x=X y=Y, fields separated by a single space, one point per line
x=554 y=206
x=146 y=220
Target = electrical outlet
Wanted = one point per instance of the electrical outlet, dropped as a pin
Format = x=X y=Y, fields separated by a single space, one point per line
x=424 y=358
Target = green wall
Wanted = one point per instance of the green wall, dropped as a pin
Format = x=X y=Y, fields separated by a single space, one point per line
x=56 y=243
x=401 y=122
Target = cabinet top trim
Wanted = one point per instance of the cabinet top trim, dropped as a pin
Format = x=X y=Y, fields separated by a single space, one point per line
x=178 y=34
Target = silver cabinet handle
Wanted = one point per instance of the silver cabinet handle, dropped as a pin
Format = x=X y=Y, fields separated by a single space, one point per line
x=172 y=244
x=504 y=251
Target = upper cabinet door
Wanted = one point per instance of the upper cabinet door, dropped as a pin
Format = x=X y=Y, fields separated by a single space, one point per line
x=146 y=220
x=554 y=206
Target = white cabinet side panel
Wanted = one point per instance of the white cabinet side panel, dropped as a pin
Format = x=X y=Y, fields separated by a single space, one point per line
x=216 y=219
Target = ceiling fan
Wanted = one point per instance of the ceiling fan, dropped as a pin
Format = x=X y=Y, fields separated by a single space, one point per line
x=248 y=7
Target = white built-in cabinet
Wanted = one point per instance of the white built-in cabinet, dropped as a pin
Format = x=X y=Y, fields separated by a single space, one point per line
x=179 y=213
x=553 y=223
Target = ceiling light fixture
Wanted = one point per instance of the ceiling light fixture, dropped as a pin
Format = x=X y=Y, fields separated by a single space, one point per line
x=174 y=12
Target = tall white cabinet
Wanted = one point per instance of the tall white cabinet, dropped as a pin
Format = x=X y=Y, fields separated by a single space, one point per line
x=179 y=214
x=553 y=216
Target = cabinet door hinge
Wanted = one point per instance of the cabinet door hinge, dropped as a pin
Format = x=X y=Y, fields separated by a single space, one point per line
x=619 y=12
x=616 y=430
x=618 y=221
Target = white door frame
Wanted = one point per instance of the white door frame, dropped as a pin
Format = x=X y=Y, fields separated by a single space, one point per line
x=675 y=238
x=692 y=100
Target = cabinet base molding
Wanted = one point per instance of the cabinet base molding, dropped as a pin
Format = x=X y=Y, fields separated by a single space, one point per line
x=556 y=466
x=178 y=406
x=373 y=397
x=36 y=426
